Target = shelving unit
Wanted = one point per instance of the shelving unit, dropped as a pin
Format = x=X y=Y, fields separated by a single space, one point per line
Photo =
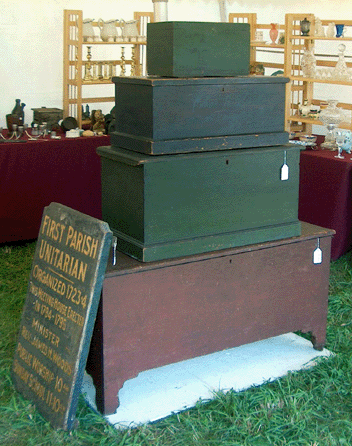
x=130 y=58
x=302 y=88
x=288 y=56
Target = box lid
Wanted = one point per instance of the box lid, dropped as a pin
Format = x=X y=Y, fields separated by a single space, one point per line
x=127 y=265
x=136 y=159
x=156 y=81
x=48 y=110
x=207 y=26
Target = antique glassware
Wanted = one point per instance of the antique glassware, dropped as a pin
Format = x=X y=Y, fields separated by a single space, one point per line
x=331 y=117
x=340 y=139
x=308 y=140
x=339 y=30
x=340 y=72
x=319 y=29
x=308 y=63
x=305 y=27
x=331 y=30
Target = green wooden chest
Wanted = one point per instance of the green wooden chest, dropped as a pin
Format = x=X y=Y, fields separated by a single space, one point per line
x=178 y=115
x=175 y=205
x=194 y=49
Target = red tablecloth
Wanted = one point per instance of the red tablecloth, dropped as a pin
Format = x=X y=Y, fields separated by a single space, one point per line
x=325 y=195
x=35 y=173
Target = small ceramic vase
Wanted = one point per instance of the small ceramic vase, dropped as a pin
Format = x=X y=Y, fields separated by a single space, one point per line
x=304 y=109
x=305 y=27
x=273 y=33
x=339 y=30
x=331 y=30
x=308 y=63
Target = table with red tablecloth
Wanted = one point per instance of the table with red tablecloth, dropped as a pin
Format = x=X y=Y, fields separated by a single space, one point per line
x=325 y=195
x=35 y=173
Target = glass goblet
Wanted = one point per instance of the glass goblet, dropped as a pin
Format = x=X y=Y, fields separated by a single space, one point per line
x=340 y=140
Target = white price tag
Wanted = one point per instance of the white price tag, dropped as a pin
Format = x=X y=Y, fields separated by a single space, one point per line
x=284 y=168
x=318 y=253
x=284 y=172
x=317 y=256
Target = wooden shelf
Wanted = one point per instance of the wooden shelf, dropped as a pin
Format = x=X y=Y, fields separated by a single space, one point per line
x=322 y=81
x=75 y=65
x=144 y=42
x=321 y=38
x=267 y=45
x=97 y=82
x=99 y=99
x=312 y=121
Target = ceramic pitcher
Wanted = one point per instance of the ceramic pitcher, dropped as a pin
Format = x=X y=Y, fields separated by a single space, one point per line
x=129 y=29
x=108 y=31
x=87 y=30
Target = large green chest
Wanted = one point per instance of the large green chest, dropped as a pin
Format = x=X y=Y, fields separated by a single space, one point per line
x=194 y=49
x=174 y=205
x=162 y=115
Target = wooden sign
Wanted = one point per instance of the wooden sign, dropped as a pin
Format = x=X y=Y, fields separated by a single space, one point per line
x=59 y=313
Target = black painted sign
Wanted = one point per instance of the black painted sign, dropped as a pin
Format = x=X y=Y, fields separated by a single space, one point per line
x=59 y=313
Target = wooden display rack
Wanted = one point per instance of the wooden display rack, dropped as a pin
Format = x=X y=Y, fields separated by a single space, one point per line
x=75 y=63
x=302 y=88
x=288 y=56
x=262 y=53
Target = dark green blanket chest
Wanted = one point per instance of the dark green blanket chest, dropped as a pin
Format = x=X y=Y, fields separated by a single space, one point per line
x=168 y=115
x=175 y=205
x=194 y=49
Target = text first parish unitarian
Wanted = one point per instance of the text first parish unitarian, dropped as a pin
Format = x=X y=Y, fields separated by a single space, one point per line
x=71 y=238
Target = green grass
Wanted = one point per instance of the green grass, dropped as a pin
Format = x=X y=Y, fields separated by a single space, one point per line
x=308 y=408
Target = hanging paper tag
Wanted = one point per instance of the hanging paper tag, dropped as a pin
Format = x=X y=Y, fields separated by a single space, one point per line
x=284 y=169
x=318 y=254
x=114 y=246
x=284 y=172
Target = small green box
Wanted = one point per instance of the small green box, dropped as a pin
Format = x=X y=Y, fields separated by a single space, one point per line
x=170 y=206
x=198 y=49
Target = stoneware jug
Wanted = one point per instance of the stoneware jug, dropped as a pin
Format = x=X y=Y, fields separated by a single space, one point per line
x=108 y=31
x=129 y=29
x=87 y=30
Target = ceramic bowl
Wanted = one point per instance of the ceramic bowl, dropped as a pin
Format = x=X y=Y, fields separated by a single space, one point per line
x=309 y=140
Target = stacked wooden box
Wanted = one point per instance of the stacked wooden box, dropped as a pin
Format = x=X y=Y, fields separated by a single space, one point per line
x=199 y=161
